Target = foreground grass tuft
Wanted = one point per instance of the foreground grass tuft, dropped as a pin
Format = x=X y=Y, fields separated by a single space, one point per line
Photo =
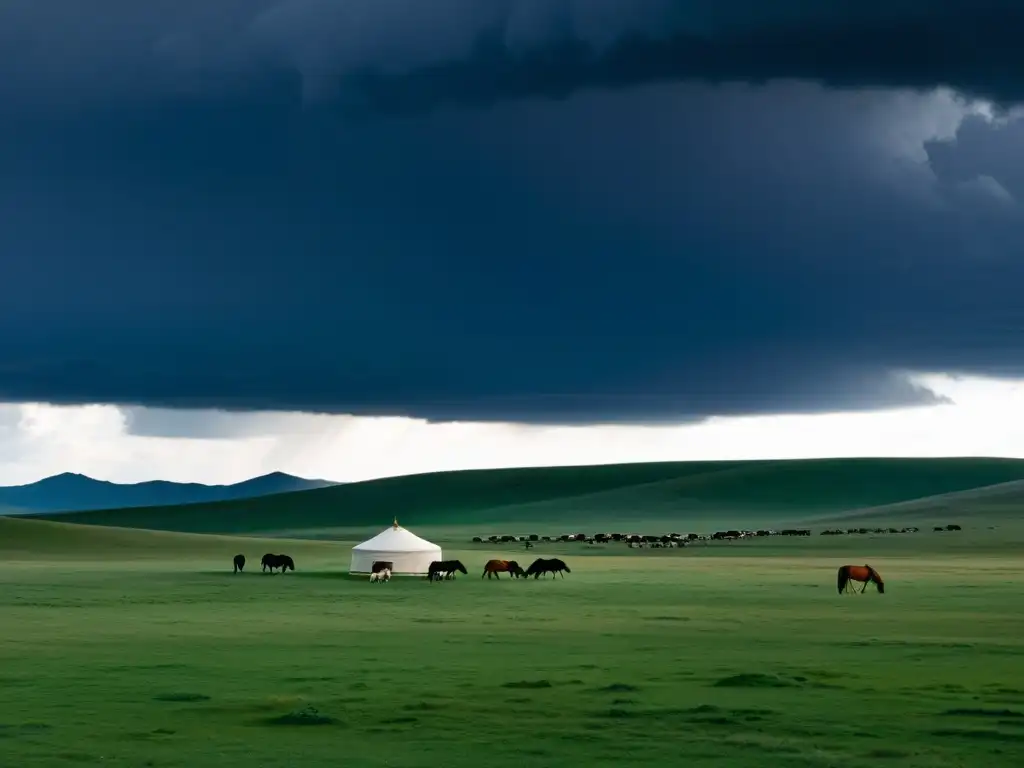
x=998 y=713
x=619 y=688
x=182 y=698
x=887 y=753
x=757 y=680
x=528 y=684
x=306 y=716
x=978 y=733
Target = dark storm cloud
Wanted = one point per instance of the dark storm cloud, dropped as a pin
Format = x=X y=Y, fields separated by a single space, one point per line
x=405 y=55
x=969 y=46
x=695 y=255
x=647 y=254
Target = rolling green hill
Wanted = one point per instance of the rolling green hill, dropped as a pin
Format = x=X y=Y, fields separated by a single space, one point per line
x=726 y=493
x=35 y=538
x=995 y=504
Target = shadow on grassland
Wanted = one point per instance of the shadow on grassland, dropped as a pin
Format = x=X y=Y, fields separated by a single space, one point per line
x=297 y=574
x=346 y=576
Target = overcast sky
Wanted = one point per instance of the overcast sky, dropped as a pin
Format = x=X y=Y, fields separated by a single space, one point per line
x=520 y=216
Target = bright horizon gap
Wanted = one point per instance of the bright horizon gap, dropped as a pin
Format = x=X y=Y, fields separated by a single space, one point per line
x=984 y=418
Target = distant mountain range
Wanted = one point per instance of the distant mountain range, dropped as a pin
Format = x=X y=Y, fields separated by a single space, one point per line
x=70 y=492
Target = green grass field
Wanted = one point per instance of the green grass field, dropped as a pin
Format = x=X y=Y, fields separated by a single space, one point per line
x=139 y=648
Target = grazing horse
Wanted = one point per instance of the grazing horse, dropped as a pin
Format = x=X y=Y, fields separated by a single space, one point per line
x=496 y=567
x=380 y=565
x=239 y=563
x=444 y=569
x=543 y=565
x=384 y=574
x=862 y=573
x=277 y=561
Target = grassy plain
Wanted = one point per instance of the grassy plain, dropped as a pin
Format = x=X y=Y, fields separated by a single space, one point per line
x=135 y=648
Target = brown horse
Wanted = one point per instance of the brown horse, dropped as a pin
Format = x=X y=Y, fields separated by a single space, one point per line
x=862 y=573
x=497 y=567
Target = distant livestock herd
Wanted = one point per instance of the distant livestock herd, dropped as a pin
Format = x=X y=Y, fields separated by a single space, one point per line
x=636 y=540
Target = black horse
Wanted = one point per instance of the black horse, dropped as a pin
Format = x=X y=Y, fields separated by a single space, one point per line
x=283 y=562
x=239 y=563
x=545 y=565
x=444 y=569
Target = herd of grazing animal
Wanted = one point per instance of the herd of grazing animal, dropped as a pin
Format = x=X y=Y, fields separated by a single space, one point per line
x=271 y=561
x=443 y=570
x=673 y=540
x=494 y=568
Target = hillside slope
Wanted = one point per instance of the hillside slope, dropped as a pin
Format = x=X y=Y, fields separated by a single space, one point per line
x=31 y=539
x=671 y=491
x=74 y=492
x=999 y=503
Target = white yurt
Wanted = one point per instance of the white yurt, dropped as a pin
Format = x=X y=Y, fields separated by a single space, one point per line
x=409 y=553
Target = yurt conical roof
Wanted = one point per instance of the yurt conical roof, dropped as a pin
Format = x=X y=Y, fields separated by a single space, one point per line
x=395 y=538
